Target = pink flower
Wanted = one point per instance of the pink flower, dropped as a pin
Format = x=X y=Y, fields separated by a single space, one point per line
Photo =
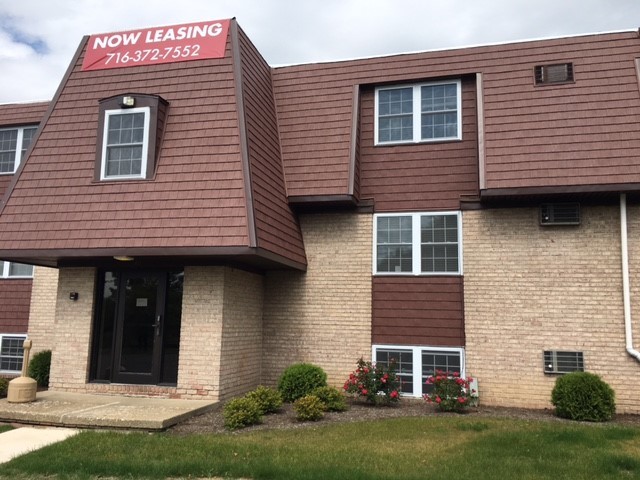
x=462 y=400
x=364 y=391
x=438 y=400
x=394 y=394
x=456 y=374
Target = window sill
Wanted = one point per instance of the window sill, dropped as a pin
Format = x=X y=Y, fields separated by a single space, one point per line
x=411 y=274
x=420 y=142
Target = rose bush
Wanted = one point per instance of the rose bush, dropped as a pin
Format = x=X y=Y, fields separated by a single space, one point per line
x=451 y=392
x=376 y=383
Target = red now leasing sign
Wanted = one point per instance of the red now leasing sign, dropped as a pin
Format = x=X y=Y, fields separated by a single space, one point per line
x=178 y=43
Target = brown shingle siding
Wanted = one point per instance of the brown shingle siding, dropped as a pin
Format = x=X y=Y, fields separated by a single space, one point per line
x=418 y=311
x=15 y=296
x=22 y=113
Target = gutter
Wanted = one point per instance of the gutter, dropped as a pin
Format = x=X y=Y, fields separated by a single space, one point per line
x=626 y=293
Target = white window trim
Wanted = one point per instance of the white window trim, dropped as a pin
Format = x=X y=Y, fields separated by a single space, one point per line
x=4 y=272
x=417 y=362
x=416 y=243
x=2 y=335
x=145 y=143
x=18 y=153
x=417 y=112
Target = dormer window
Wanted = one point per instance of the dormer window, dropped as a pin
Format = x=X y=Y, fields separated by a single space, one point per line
x=14 y=143
x=126 y=143
x=424 y=112
x=129 y=135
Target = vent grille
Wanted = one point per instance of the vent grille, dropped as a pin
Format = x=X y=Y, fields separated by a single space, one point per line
x=563 y=362
x=553 y=74
x=560 y=214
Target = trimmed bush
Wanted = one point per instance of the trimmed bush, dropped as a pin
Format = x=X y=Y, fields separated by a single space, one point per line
x=583 y=396
x=39 y=367
x=301 y=379
x=268 y=399
x=4 y=386
x=241 y=412
x=332 y=398
x=309 y=408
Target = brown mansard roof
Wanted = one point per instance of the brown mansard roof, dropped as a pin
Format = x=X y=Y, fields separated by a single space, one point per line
x=581 y=133
x=218 y=191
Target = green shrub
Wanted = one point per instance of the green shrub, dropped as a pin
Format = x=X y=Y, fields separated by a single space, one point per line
x=39 y=367
x=301 y=379
x=4 y=386
x=309 y=408
x=332 y=398
x=583 y=396
x=268 y=399
x=241 y=412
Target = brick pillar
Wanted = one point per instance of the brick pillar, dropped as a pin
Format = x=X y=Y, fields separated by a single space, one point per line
x=72 y=329
x=42 y=310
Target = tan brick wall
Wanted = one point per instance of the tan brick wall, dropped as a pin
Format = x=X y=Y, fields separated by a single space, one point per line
x=201 y=332
x=72 y=330
x=322 y=316
x=241 y=350
x=42 y=310
x=530 y=288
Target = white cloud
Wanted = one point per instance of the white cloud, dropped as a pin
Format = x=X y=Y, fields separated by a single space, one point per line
x=294 y=31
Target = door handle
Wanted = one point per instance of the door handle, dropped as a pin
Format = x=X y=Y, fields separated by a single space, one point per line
x=158 y=324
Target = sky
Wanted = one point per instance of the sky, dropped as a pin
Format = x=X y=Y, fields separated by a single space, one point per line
x=38 y=38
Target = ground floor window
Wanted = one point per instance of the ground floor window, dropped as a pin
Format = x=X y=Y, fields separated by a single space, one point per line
x=11 y=353
x=415 y=364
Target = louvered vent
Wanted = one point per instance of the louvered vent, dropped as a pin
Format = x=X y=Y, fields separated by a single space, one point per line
x=551 y=74
x=563 y=362
x=560 y=214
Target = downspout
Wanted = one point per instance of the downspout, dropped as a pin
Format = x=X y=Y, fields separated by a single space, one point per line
x=626 y=293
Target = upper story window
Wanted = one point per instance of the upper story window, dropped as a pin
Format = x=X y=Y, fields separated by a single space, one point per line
x=425 y=112
x=126 y=142
x=14 y=143
x=418 y=244
x=15 y=270
x=129 y=133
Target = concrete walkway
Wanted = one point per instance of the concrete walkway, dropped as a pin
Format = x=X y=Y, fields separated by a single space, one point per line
x=27 y=439
x=106 y=411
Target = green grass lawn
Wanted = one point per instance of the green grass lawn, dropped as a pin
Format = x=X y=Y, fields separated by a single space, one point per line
x=5 y=428
x=406 y=448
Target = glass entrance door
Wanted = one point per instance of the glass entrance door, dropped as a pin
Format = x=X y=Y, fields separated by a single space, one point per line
x=139 y=328
x=136 y=335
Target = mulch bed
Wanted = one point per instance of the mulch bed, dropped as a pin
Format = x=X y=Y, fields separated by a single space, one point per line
x=213 y=421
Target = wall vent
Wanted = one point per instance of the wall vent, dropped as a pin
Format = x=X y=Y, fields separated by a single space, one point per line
x=563 y=362
x=553 y=74
x=559 y=214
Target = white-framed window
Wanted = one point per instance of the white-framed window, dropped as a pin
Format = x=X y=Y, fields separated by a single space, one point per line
x=11 y=353
x=417 y=243
x=415 y=364
x=125 y=143
x=15 y=270
x=424 y=112
x=14 y=143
